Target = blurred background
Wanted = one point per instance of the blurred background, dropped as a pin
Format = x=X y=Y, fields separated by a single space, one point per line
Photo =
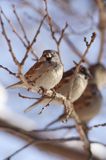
x=83 y=18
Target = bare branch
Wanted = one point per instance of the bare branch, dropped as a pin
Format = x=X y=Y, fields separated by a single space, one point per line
x=8 y=41
x=51 y=99
x=9 y=71
x=97 y=125
x=19 y=64
x=19 y=150
x=33 y=41
x=21 y=25
x=26 y=97
x=57 y=41
x=102 y=27
x=42 y=142
x=88 y=45
x=24 y=33
x=66 y=38
x=17 y=34
x=68 y=127
x=55 y=129
x=13 y=28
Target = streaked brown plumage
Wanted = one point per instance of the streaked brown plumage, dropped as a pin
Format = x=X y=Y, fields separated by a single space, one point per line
x=46 y=73
x=71 y=86
x=89 y=104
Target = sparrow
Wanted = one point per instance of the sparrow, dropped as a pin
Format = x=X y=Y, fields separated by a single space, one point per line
x=90 y=102
x=71 y=86
x=99 y=75
x=46 y=73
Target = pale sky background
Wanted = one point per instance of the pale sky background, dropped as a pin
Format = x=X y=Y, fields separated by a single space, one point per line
x=12 y=106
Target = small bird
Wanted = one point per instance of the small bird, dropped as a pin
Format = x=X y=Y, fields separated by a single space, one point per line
x=90 y=102
x=72 y=85
x=99 y=75
x=46 y=73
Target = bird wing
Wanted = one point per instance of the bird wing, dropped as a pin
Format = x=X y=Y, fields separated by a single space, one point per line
x=89 y=94
x=66 y=77
x=37 y=70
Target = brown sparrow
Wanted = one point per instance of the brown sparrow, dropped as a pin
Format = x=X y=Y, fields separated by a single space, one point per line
x=89 y=104
x=46 y=73
x=71 y=86
x=99 y=75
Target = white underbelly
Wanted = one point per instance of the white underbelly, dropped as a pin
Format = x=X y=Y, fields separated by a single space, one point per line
x=78 y=89
x=51 y=79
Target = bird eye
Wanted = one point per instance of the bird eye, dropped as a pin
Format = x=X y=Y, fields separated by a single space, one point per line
x=86 y=77
x=82 y=69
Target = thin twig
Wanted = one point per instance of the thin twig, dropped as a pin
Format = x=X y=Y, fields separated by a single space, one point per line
x=55 y=129
x=69 y=127
x=17 y=34
x=51 y=99
x=33 y=105
x=57 y=41
x=19 y=74
x=66 y=38
x=26 y=97
x=21 y=26
x=19 y=150
x=13 y=28
x=33 y=41
x=23 y=31
x=80 y=129
x=8 y=41
x=20 y=64
x=9 y=71
x=88 y=45
x=97 y=125
x=26 y=135
x=102 y=27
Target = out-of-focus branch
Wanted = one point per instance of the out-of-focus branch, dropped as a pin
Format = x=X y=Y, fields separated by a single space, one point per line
x=57 y=41
x=66 y=38
x=88 y=45
x=45 y=144
x=69 y=128
x=33 y=41
x=8 y=41
x=28 y=48
x=9 y=71
x=97 y=125
x=19 y=150
x=21 y=25
x=15 y=31
x=27 y=97
x=67 y=8
x=21 y=64
x=101 y=26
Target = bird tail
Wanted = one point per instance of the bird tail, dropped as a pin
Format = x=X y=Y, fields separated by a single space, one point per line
x=15 y=85
x=43 y=100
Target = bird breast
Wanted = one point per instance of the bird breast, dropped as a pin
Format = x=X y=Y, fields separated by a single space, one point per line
x=79 y=85
x=73 y=87
x=52 y=77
